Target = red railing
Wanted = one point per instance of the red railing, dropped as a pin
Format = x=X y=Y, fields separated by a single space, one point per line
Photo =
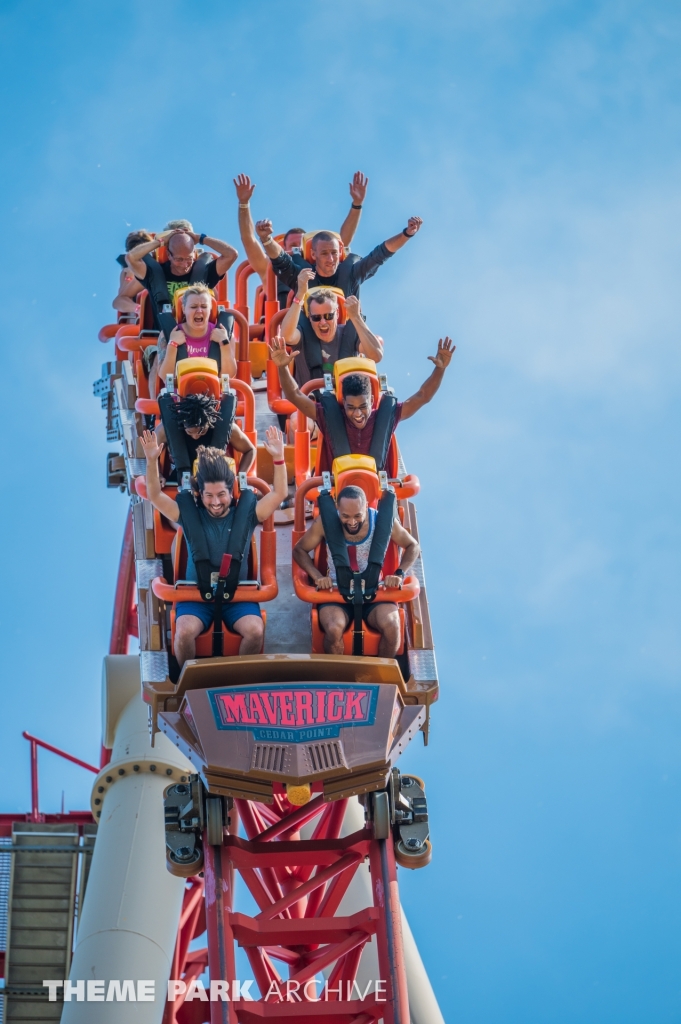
x=35 y=743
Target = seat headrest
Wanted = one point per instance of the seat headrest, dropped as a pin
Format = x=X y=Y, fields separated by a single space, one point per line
x=356 y=364
x=307 y=243
x=340 y=297
x=357 y=471
x=197 y=376
x=178 y=311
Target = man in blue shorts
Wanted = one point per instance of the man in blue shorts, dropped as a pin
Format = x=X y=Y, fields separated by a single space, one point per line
x=208 y=517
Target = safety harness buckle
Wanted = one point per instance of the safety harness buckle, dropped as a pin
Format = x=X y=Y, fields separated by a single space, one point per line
x=166 y=307
x=226 y=390
x=185 y=482
x=383 y=384
x=170 y=383
x=243 y=482
x=328 y=382
x=326 y=480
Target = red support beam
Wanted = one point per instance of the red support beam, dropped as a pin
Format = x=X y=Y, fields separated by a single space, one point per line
x=298 y=886
x=125 y=593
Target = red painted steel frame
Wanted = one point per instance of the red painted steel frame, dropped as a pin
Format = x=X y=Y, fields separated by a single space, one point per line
x=298 y=886
x=124 y=618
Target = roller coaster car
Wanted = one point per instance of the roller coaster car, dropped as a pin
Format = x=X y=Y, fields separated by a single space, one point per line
x=351 y=471
x=326 y=724
x=405 y=485
x=303 y=724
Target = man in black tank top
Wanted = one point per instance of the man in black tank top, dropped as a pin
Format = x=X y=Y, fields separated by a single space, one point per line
x=318 y=337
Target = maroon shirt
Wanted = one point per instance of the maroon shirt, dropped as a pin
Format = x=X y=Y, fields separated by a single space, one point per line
x=360 y=440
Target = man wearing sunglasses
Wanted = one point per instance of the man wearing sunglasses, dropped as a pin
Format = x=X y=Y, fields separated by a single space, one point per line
x=357 y=404
x=319 y=338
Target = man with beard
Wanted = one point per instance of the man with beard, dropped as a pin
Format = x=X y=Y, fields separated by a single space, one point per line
x=358 y=522
x=319 y=338
x=357 y=405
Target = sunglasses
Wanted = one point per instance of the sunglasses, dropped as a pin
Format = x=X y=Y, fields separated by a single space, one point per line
x=316 y=317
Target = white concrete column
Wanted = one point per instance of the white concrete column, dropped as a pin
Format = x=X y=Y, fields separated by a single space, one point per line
x=129 y=921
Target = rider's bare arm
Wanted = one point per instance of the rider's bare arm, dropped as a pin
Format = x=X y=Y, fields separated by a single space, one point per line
x=136 y=256
x=370 y=345
x=228 y=254
x=301 y=555
x=272 y=248
x=289 y=325
x=410 y=552
x=358 y=191
x=282 y=360
x=445 y=351
x=274 y=443
x=254 y=252
x=128 y=288
x=165 y=505
x=241 y=443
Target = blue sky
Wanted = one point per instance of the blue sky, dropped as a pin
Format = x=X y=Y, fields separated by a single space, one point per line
x=540 y=143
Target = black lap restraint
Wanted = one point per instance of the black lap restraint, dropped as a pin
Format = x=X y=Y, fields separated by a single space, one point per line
x=358 y=588
x=238 y=541
x=176 y=437
x=337 y=434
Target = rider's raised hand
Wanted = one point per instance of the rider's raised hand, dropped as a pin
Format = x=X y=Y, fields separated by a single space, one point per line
x=278 y=353
x=274 y=443
x=358 y=187
x=152 y=449
x=445 y=351
x=304 y=277
x=244 y=188
x=264 y=229
x=413 y=225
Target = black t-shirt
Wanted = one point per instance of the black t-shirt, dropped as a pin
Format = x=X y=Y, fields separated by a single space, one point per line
x=351 y=272
x=177 y=281
x=217 y=532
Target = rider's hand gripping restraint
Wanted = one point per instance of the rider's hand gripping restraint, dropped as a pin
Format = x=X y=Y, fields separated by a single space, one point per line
x=358 y=587
x=237 y=545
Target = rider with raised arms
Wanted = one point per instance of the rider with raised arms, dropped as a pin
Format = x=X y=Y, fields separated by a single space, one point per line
x=211 y=516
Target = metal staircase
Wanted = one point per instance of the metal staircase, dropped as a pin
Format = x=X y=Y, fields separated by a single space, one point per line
x=47 y=877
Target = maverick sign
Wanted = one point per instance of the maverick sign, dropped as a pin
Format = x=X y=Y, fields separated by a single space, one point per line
x=294 y=714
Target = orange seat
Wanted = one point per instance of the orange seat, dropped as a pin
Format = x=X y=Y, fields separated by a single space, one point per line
x=178 y=311
x=198 y=376
x=372 y=638
x=340 y=297
x=204 y=644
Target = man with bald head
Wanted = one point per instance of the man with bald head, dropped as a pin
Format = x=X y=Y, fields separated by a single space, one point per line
x=184 y=266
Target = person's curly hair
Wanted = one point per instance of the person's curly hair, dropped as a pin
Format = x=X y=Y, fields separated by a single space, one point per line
x=198 y=411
